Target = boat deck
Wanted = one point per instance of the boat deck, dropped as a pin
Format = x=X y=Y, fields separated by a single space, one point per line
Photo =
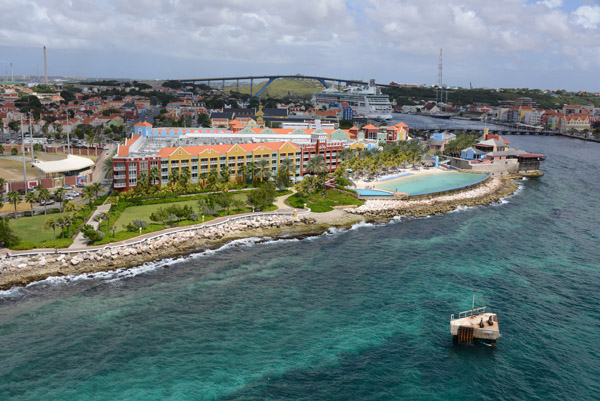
x=472 y=322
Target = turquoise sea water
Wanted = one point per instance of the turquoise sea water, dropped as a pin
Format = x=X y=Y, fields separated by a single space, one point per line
x=421 y=184
x=361 y=314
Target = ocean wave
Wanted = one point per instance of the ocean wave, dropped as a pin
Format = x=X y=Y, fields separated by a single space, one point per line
x=361 y=224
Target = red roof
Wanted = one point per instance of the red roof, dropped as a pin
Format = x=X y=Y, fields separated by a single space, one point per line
x=124 y=149
x=370 y=126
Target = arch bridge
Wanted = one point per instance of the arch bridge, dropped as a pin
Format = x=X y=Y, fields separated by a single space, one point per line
x=271 y=78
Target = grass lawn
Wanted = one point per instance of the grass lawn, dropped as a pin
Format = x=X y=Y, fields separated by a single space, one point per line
x=324 y=202
x=30 y=228
x=143 y=212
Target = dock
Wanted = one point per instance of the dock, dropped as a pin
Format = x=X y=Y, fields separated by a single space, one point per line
x=473 y=325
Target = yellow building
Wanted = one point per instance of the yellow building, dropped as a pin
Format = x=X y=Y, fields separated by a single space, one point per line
x=201 y=159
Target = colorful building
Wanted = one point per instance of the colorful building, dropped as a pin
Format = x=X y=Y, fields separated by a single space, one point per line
x=201 y=159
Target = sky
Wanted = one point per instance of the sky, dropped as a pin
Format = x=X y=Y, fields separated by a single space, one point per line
x=545 y=44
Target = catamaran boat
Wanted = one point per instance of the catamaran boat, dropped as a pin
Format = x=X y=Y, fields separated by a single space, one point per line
x=365 y=102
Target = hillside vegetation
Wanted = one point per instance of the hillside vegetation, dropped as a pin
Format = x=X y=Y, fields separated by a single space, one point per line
x=284 y=87
x=492 y=97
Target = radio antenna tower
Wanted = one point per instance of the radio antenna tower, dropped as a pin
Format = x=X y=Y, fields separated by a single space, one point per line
x=440 y=82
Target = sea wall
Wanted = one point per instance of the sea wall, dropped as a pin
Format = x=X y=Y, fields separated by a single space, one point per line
x=21 y=270
x=485 y=194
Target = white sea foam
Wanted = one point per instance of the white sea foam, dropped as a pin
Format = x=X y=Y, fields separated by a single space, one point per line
x=461 y=208
x=361 y=224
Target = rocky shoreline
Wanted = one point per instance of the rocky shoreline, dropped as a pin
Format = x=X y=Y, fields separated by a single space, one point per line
x=482 y=195
x=22 y=270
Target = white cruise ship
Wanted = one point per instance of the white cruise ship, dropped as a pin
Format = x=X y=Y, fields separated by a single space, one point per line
x=364 y=101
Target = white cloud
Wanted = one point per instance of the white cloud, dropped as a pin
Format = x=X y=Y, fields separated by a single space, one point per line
x=587 y=16
x=551 y=3
x=309 y=36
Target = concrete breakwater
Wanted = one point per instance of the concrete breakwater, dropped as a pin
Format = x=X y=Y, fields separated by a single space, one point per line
x=22 y=270
x=485 y=194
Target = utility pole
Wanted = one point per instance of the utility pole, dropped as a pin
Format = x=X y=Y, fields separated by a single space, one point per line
x=23 y=150
x=31 y=136
x=68 y=136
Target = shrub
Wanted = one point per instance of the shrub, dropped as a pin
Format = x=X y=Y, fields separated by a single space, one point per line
x=91 y=234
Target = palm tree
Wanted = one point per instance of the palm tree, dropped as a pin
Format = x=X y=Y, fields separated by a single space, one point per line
x=287 y=165
x=2 y=185
x=50 y=223
x=103 y=216
x=213 y=178
x=154 y=175
x=173 y=178
x=44 y=195
x=316 y=165
x=252 y=171
x=88 y=194
x=202 y=180
x=107 y=167
x=14 y=197
x=184 y=178
x=31 y=199
x=61 y=222
x=96 y=189
x=143 y=180
x=224 y=175
x=263 y=169
x=59 y=195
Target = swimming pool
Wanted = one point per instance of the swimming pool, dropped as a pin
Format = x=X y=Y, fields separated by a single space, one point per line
x=432 y=183
x=372 y=192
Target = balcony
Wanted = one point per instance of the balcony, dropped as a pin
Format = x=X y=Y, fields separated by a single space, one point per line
x=119 y=168
x=120 y=184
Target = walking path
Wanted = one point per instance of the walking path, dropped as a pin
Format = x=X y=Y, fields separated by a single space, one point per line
x=280 y=202
x=80 y=241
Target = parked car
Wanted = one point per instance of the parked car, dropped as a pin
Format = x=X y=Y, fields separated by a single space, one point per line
x=68 y=197
x=47 y=203
x=80 y=185
x=67 y=186
x=75 y=194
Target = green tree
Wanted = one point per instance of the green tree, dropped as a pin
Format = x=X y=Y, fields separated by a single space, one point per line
x=31 y=198
x=224 y=175
x=224 y=200
x=262 y=197
x=316 y=165
x=59 y=196
x=185 y=178
x=173 y=178
x=15 y=126
x=263 y=170
x=44 y=195
x=103 y=216
x=50 y=223
x=14 y=197
x=154 y=176
x=14 y=151
x=88 y=194
x=107 y=167
x=7 y=237
x=213 y=179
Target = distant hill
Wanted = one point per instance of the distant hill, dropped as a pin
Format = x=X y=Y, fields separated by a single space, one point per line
x=492 y=97
x=283 y=87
